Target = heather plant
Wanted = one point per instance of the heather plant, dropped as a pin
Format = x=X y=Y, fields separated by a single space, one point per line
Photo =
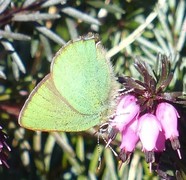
x=145 y=113
x=146 y=43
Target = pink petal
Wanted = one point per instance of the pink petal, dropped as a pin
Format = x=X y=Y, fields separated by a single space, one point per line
x=168 y=117
x=129 y=136
x=126 y=110
x=148 y=130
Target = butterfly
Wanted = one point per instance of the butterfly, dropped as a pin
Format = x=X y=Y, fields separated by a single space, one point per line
x=77 y=94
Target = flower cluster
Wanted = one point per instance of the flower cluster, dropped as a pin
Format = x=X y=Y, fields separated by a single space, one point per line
x=146 y=113
x=3 y=148
x=152 y=129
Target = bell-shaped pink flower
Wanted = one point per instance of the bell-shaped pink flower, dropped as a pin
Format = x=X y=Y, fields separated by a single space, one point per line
x=148 y=131
x=126 y=110
x=130 y=136
x=129 y=140
x=168 y=117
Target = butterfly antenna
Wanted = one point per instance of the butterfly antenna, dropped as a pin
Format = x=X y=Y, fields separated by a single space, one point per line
x=108 y=143
x=99 y=152
x=102 y=129
x=114 y=152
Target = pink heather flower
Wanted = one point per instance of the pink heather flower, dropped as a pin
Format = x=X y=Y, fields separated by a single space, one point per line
x=129 y=140
x=126 y=110
x=129 y=136
x=168 y=117
x=148 y=130
x=144 y=106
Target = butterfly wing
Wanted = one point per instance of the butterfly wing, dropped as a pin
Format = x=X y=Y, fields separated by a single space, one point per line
x=47 y=110
x=83 y=75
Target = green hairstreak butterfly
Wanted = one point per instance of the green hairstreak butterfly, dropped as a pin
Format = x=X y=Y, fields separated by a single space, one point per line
x=77 y=94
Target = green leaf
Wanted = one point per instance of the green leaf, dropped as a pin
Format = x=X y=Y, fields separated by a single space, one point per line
x=112 y=8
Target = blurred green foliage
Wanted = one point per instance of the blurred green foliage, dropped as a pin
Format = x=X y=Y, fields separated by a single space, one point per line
x=30 y=34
